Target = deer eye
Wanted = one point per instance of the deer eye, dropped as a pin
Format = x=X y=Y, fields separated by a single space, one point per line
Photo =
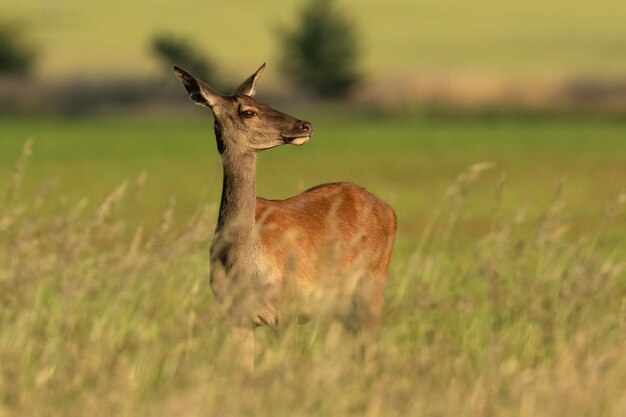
x=247 y=114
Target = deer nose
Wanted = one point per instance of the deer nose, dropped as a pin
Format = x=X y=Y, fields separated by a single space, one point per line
x=305 y=127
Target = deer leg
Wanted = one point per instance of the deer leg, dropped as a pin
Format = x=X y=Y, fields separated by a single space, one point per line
x=241 y=344
x=368 y=302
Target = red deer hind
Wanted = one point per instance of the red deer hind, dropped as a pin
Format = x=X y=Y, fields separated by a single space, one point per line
x=270 y=255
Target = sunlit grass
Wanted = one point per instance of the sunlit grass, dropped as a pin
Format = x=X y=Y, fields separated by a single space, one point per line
x=503 y=298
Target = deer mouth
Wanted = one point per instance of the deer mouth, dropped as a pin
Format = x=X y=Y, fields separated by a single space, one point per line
x=297 y=140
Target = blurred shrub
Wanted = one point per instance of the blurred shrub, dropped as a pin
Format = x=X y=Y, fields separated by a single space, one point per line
x=321 y=52
x=174 y=50
x=16 y=56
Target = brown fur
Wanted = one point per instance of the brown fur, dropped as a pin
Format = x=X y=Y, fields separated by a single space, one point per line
x=363 y=223
x=317 y=236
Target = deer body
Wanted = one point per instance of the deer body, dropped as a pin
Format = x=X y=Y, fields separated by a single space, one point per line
x=268 y=256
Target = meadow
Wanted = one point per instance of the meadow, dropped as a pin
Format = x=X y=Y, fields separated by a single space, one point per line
x=112 y=39
x=506 y=296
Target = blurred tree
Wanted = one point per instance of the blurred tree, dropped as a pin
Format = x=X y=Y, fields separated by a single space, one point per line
x=173 y=50
x=16 y=56
x=321 y=52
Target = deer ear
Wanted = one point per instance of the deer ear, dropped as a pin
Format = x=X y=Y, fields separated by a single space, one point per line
x=200 y=92
x=247 y=87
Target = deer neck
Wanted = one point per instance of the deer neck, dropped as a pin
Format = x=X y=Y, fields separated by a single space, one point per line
x=238 y=202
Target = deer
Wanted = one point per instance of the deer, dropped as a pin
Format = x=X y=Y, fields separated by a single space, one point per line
x=268 y=255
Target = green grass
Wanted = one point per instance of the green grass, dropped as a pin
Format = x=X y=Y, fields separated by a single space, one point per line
x=555 y=38
x=409 y=162
x=507 y=292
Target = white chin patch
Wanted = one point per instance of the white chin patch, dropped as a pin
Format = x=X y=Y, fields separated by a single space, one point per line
x=300 y=141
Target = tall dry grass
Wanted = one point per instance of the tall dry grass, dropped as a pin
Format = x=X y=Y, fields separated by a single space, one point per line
x=103 y=316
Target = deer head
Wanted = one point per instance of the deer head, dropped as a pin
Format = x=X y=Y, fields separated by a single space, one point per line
x=242 y=123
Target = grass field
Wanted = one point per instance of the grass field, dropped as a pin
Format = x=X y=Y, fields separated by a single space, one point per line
x=95 y=39
x=507 y=292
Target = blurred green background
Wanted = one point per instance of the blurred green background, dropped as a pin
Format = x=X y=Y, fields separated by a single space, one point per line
x=92 y=38
x=507 y=289
x=537 y=88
